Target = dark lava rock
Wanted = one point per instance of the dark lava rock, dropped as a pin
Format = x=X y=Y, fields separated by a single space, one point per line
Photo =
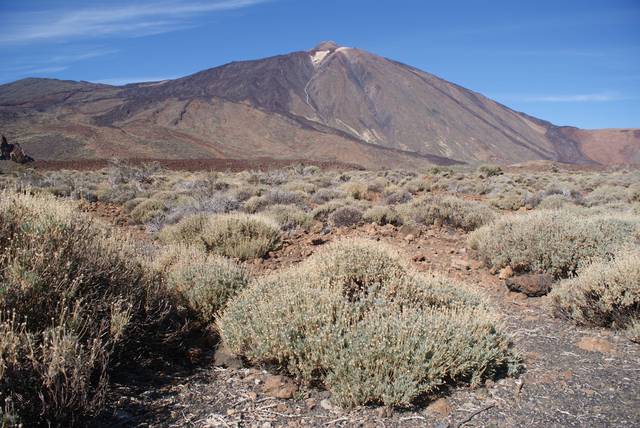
x=533 y=285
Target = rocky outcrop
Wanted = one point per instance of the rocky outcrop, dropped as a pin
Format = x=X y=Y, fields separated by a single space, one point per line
x=13 y=152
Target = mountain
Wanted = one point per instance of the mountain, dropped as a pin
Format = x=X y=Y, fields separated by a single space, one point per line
x=329 y=103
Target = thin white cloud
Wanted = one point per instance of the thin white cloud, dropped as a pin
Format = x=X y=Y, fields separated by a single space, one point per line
x=562 y=98
x=119 y=81
x=147 y=18
x=574 y=98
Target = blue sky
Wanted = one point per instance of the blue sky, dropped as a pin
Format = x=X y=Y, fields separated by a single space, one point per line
x=567 y=61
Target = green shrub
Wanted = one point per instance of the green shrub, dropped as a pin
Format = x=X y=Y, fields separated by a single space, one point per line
x=355 y=189
x=605 y=293
x=205 y=281
x=322 y=212
x=382 y=215
x=606 y=194
x=74 y=301
x=467 y=215
x=147 y=210
x=255 y=204
x=357 y=319
x=487 y=171
x=558 y=242
x=289 y=217
x=240 y=236
x=186 y=231
x=345 y=217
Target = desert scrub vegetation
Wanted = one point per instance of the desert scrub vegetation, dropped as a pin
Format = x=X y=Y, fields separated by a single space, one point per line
x=345 y=217
x=205 y=281
x=289 y=217
x=382 y=215
x=452 y=211
x=237 y=235
x=357 y=319
x=558 y=242
x=75 y=302
x=605 y=293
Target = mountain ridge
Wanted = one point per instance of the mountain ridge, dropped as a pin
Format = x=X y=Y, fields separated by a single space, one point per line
x=329 y=103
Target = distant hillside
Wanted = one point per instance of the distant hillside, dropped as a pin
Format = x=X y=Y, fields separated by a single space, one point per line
x=331 y=103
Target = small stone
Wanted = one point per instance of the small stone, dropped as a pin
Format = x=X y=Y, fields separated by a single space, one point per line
x=440 y=407
x=317 y=241
x=533 y=285
x=251 y=395
x=505 y=273
x=266 y=425
x=310 y=403
x=460 y=264
x=224 y=358
x=326 y=404
x=279 y=386
x=384 y=412
x=406 y=230
x=282 y=408
x=595 y=344
x=231 y=412
x=409 y=238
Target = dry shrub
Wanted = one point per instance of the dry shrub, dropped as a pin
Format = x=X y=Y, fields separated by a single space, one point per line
x=289 y=217
x=606 y=194
x=558 y=242
x=345 y=217
x=205 y=281
x=188 y=230
x=382 y=215
x=326 y=195
x=75 y=300
x=356 y=318
x=605 y=293
x=240 y=236
x=147 y=210
x=467 y=215
x=355 y=189
x=322 y=212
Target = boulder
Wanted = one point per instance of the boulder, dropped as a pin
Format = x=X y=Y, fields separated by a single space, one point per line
x=533 y=285
x=13 y=152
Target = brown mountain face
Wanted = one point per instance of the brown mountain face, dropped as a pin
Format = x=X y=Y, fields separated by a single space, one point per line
x=331 y=103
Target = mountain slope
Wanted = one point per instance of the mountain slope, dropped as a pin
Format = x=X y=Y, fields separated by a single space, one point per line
x=330 y=103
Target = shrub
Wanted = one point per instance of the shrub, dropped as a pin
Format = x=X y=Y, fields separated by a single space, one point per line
x=240 y=236
x=283 y=197
x=355 y=189
x=487 y=171
x=467 y=215
x=633 y=193
x=205 y=281
x=357 y=319
x=382 y=215
x=323 y=211
x=606 y=194
x=255 y=204
x=326 y=195
x=289 y=217
x=345 y=217
x=605 y=293
x=555 y=202
x=558 y=242
x=186 y=231
x=75 y=301
x=147 y=210
x=399 y=197
x=633 y=330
